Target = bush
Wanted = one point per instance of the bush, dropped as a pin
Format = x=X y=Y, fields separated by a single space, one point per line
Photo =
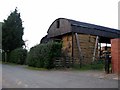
x=18 y=56
x=42 y=55
x=34 y=57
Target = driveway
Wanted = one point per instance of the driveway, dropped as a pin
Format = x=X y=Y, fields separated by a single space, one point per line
x=20 y=77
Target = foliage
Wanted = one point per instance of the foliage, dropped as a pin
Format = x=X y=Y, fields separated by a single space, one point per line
x=42 y=55
x=18 y=56
x=12 y=32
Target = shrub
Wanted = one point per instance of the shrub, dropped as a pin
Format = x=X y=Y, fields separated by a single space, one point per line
x=18 y=56
x=34 y=57
x=43 y=55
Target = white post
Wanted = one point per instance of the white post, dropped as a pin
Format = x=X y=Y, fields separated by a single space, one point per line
x=79 y=49
x=96 y=44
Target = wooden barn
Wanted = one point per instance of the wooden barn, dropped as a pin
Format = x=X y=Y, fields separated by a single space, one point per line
x=80 y=40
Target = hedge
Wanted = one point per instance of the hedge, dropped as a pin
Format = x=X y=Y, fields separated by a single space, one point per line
x=18 y=56
x=42 y=55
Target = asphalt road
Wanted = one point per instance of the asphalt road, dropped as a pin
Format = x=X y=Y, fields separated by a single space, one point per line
x=20 y=77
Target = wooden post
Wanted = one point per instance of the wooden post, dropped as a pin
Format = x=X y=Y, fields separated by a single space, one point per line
x=79 y=49
x=72 y=49
x=100 y=52
x=96 y=44
x=5 y=56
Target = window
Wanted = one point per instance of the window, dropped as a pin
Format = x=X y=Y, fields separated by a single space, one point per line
x=58 y=23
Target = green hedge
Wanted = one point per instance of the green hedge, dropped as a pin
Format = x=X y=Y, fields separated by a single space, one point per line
x=42 y=55
x=18 y=56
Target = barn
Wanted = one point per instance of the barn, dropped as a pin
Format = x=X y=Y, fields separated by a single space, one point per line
x=80 y=41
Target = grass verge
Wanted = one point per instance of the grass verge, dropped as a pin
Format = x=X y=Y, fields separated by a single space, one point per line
x=94 y=66
x=89 y=67
x=8 y=63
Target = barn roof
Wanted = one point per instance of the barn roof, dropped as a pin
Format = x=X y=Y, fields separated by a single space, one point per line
x=93 y=26
x=92 y=29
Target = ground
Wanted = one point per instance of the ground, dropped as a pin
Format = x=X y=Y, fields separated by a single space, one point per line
x=21 y=77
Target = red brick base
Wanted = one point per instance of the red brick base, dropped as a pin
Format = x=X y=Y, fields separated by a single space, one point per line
x=115 y=53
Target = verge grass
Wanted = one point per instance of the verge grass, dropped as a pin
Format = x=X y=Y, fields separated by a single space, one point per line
x=8 y=63
x=89 y=67
x=93 y=66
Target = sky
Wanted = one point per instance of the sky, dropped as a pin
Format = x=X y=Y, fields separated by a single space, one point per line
x=38 y=15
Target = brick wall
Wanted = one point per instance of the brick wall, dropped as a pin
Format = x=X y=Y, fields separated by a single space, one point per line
x=115 y=53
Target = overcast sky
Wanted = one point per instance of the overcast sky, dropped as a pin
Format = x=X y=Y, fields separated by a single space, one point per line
x=38 y=15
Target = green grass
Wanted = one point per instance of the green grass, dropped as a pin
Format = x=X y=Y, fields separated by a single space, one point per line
x=8 y=63
x=98 y=66
x=89 y=67
x=26 y=66
x=94 y=66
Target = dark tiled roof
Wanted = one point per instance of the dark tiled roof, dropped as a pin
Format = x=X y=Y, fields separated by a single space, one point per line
x=93 y=26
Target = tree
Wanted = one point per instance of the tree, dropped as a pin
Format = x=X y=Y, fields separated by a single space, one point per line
x=12 y=32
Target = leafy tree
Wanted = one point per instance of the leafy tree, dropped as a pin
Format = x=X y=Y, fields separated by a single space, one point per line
x=12 y=32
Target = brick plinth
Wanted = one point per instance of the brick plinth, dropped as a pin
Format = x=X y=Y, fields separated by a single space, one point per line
x=115 y=53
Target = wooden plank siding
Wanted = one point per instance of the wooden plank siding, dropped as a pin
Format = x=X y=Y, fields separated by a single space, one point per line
x=64 y=28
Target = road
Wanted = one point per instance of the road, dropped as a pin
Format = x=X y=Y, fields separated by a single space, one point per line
x=20 y=77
